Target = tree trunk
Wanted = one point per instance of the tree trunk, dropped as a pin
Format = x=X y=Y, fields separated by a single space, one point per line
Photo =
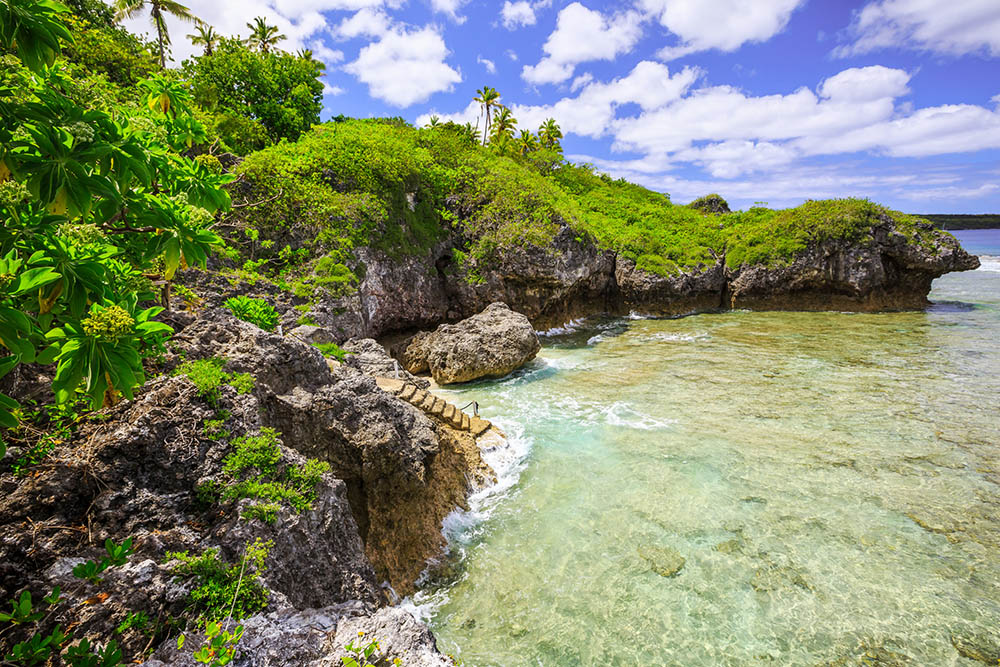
x=158 y=20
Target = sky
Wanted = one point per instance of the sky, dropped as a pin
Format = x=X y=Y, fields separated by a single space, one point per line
x=772 y=101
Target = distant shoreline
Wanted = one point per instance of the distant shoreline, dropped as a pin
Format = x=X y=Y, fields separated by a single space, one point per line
x=959 y=221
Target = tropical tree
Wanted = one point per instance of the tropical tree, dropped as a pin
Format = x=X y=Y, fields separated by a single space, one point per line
x=206 y=37
x=91 y=205
x=503 y=124
x=263 y=36
x=488 y=98
x=526 y=143
x=158 y=10
x=434 y=121
x=549 y=134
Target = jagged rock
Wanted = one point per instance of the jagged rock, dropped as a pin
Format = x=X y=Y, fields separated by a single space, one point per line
x=490 y=344
x=311 y=334
x=136 y=474
x=403 y=474
x=317 y=637
x=710 y=204
x=886 y=271
x=373 y=360
x=693 y=290
x=665 y=561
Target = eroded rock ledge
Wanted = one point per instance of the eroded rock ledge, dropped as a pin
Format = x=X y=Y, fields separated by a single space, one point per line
x=147 y=469
x=888 y=268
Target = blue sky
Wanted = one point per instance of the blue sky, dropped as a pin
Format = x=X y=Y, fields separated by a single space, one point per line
x=759 y=100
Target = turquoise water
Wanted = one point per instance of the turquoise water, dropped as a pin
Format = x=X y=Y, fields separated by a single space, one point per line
x=830 y=480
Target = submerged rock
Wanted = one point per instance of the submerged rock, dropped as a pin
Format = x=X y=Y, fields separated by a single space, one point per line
x=665 y=561
x=977 y=647
x=490 y=344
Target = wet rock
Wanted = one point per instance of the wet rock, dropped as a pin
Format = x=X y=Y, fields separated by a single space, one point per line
x=665 y=561
x=777 y=578
x=490 y=344
x=691 y=290
x=871 y=654
x=729 y=547
x=373 y=360
x=982 y=648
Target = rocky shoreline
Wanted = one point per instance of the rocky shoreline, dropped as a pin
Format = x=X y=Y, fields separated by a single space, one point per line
x=571 y=278
x=396 y=459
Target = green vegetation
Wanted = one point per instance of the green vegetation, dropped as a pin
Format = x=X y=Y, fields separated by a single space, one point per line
x=223 y=590
x=256 y=471
x=332 y=351
x=207 y=376
x=365 y=654
x=255 y=311
x=117 y=555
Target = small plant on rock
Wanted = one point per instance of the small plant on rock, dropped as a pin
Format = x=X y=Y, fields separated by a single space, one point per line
x=365 y=655
x=254 y=311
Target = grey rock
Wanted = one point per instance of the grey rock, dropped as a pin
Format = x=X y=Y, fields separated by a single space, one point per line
x=490 y=344
x=373 y=360
x=311 y=334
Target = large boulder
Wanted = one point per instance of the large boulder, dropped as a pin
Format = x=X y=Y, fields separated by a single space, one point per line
x=490 y=344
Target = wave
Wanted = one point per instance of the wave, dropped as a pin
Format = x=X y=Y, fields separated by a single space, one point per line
x=508 y=458
x=989 y=263
x=622 y=414
x=568 y=328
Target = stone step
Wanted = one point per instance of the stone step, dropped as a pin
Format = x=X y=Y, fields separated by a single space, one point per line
x=438 y=408
x=479 y=426
x=449 y=413
x=466 y=422
x=389 y=385
x=418 y=397
x=428 y=403
x=408 y=391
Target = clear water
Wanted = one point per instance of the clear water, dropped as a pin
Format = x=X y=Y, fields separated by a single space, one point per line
x=831 y=481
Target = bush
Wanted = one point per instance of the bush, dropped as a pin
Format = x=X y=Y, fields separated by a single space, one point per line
x=217 y=584
x=254 y=311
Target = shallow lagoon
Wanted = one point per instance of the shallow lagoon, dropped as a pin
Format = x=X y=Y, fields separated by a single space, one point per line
x=830 y=479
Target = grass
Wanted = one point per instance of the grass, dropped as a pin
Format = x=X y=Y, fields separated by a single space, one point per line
x=387 y=185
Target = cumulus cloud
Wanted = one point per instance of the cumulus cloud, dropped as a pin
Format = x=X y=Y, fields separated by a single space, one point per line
x=366 y=22
x=583 y=35
x=405 y=67
x=302 y=21
x=449 y=7
x=957 y=28
x=718 y=24
x=517 y=14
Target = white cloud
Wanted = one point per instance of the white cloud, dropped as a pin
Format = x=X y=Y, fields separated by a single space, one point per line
x=719 y=24
x=582 y=35
x=581 y=81
x=956 y=27
x=405 y=67
x=449 y=7
x=332 y=90
x=490 y=66
x=863 y=84
x=510 y=53
x=325 y=53
x=592 y=112
x=517 y=14
x=365 y=23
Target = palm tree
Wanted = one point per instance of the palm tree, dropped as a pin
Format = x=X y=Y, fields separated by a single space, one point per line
x=550 y=134
x=526 y=143
x=487 y=98
x=206 y=36
x=434 y=121
x=502 y=144
x=503 y=124
x=125 y=9
x=262 y=35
